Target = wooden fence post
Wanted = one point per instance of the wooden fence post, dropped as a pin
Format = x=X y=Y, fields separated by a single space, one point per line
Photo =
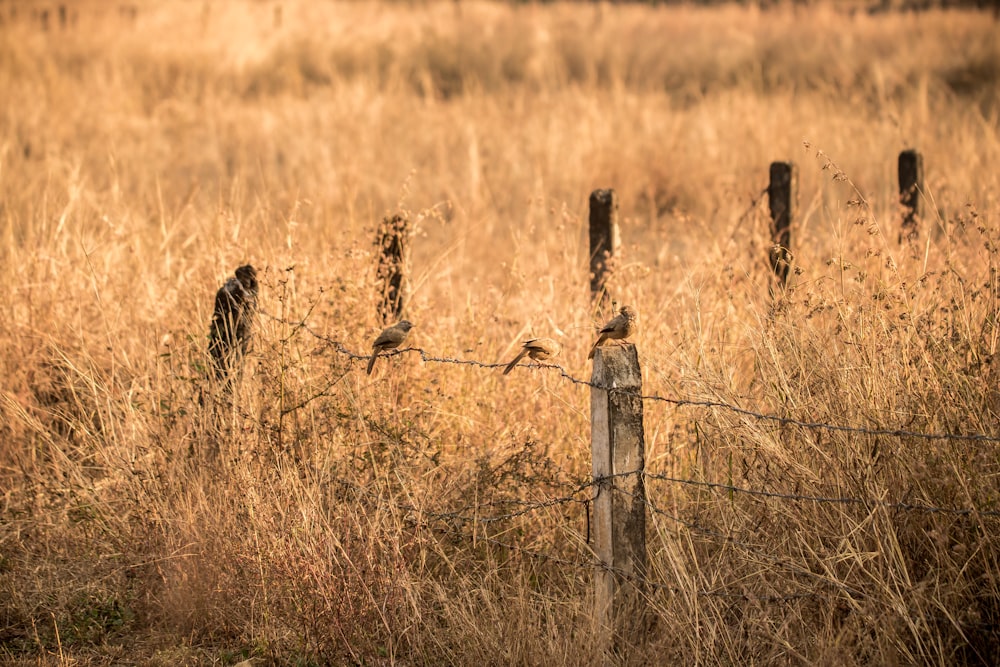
x=393 y=247
x=911 y=189
x=233 y=323
x=781 y=194
x=618 y=450
x=604 y=242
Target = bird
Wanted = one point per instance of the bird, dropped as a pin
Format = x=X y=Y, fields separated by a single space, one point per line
x=620 y=327
x=390 y=338
x=538 y=349
x=232 y=320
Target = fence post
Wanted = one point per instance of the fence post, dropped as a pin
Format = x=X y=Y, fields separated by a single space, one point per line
x=618 y=450
x=911 y=188
x=393 y=248
x=604 y=242
x=233 y=323
x=781 y=194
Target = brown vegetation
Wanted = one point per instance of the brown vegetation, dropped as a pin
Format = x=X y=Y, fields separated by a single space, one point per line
x=147 y=517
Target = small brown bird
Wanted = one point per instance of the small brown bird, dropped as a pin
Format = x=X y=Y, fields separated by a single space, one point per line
x=538 y=349
x=390 y=338
x=620 y=327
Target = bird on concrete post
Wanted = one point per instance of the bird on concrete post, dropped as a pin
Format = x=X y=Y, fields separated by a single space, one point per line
x=390 y=338
x=232 y=321
x=620 y=327
x=538 y=349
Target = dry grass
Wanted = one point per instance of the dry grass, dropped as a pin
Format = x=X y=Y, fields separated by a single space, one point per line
x=146 y=519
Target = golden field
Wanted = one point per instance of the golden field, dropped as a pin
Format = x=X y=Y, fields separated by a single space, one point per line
x=322 y=516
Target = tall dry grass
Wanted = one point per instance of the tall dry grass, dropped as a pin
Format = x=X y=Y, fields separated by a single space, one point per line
x=147 y=518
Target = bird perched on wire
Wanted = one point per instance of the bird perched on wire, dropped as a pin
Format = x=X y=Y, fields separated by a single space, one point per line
x=390 y=338
x=538 y=349
x=620 y=327
x=232 y=321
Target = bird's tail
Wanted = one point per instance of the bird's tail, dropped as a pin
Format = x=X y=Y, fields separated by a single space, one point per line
x=371 y=362
x=518 y=358
x=594 y=349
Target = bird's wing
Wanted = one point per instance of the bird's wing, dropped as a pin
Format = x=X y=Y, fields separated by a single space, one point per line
x=612 y=325
x=545 y=345
x=386 y=337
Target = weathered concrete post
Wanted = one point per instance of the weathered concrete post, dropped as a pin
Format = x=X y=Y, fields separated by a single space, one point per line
x=618 y=449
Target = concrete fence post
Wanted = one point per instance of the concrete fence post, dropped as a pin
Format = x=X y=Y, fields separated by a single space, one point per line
x=618 y=449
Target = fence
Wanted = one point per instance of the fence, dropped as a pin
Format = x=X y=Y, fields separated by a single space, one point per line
x=618 y=498
x=621 y=494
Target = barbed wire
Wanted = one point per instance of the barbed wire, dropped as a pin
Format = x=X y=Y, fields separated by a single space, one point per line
x=449 y=519
x=906 y=507
x=589 y=562
x=453 y=522
x=526 y=507
x=750 y=549
x=428 y=357
x=586 y=562
x=774 y=561
x=589 y=565
x=593 y=563
x=457 y=523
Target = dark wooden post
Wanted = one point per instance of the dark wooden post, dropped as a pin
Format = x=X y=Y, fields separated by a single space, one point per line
x=911 y=190
x=604 y=241
x=781 y=195
x=393 y=261
x=233 y=323
x=618 y=450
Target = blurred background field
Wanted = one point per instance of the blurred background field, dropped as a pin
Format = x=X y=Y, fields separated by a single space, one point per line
x=321 y=516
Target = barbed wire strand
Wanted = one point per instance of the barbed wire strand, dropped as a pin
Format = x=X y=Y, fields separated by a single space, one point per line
x=906 y=507
x=526 y=507
x=591 y=562
x=450 y=518
x=427 y=357
x=588 y=563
